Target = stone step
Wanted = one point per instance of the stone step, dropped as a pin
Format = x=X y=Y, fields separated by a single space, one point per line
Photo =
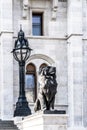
x=7 y=125
x=7 y=129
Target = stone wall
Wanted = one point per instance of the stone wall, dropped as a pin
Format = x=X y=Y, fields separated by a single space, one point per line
x=52 y=44
x=64 y=45
x=84 y=63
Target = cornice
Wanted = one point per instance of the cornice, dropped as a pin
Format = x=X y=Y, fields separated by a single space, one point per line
x=72 y=35
x=2 y=32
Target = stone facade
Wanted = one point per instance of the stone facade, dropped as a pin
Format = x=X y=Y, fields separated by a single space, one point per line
x=63 y=45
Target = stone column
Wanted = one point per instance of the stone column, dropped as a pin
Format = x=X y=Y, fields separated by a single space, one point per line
x=6 y=84
x=75 y=65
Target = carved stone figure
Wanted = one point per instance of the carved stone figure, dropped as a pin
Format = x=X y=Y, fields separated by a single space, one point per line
x=48 y=89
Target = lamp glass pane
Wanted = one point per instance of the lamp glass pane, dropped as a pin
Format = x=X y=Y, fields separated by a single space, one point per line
x=18 y=53
x=24 y=53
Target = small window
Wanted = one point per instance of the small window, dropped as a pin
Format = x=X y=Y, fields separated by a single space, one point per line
x=30 y=82
x=37 y=24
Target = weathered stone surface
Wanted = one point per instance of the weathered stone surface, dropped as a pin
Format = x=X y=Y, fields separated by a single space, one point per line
x=44 y=122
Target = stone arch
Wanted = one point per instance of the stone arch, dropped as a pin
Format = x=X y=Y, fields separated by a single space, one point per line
x=43 y=65
x=42 y=56
x=31 y=67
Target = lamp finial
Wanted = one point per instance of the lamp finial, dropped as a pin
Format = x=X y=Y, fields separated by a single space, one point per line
x=20 y=27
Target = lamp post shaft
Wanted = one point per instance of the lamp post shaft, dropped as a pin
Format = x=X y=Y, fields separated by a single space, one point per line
x=22 y=79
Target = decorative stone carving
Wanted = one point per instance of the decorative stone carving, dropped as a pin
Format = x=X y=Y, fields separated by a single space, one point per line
x=55 y=3
x=54 y=9
x=48 y=89
x=25 y=8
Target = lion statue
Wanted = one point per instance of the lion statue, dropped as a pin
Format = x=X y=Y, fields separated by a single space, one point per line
x=48 y=89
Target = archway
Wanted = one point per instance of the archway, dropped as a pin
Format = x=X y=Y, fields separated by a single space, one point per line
x=31 y=89
x=42 y=56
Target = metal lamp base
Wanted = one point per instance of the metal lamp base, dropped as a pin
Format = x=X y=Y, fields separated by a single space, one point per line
x=22 y=108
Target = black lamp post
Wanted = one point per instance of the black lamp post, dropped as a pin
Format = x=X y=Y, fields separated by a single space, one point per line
x=21 y=53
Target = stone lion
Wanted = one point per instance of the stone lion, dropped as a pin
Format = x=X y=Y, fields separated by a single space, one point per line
x=48 y=89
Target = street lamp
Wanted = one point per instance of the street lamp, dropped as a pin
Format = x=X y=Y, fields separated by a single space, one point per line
x=21 y=53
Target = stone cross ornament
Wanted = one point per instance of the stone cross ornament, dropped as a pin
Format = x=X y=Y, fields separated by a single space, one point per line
x=48 y=89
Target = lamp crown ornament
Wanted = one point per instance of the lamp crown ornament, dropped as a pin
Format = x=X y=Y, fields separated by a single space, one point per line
x=21 y=49
x=21 y=34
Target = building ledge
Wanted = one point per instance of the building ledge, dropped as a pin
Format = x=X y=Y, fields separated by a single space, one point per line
x=44 y=37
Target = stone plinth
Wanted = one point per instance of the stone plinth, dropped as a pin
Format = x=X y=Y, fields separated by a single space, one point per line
x=41 y=121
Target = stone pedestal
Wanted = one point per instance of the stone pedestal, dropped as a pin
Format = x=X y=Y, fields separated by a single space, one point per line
x=40 y=121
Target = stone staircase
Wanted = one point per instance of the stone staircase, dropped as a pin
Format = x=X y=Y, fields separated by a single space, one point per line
x=7 y=125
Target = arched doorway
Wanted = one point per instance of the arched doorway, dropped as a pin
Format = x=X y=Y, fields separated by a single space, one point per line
x=30 y=82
